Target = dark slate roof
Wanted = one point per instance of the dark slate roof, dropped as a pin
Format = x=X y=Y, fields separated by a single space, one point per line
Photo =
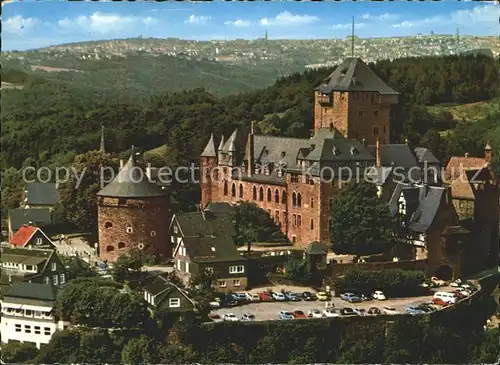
x=452 y=230
x=131 y=182
x=399 y=156
x=32 y=291
x=425 y=155
x=205 y=223
x=25 y=255
x=379 y=175
x=332 y=150
x=316 y=248
x=39 y=217
x=424 y=216
x=220 y=207
x=355 y=75
x=211 y=249
x=210 y=150
x=42 y=194
x=158 y=285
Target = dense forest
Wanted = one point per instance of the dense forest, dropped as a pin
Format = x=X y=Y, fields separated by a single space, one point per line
x=50 y=121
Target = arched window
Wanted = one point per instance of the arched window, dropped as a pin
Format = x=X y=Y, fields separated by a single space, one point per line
x=130 y=229
x=254 y=193
x=299 y=220
x=276 y=196
x=312 y=224
x=121 y=245
x=261 y=193
x=110 y=248
x=241 y=190
x=108 y=225
x=269 y=195
x=294 y=199
x=299 y=200
x=233 y=190
x=312 y=202
x=283 y=197
x=226 y=188
x=153 y=233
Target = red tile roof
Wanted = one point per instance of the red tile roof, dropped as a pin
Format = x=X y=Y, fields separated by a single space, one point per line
x=23 y=235
x=456 y=165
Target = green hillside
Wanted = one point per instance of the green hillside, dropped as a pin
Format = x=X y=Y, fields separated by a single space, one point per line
x=469 y=112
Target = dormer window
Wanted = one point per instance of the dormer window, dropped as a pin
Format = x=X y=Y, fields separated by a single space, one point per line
x=279 y=172
x=354 y=150
x=335 y=151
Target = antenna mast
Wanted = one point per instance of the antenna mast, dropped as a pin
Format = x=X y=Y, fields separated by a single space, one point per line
x=352 y=38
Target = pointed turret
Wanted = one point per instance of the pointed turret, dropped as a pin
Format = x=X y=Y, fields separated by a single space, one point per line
x=209 y=150
x=103 y=147
x=220 y=150
x=487 y=153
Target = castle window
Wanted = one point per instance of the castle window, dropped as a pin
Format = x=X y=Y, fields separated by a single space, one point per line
x=108 y=225
x=241 y=190
x=233 y=190
x=269 y=195
x=299 y=200
x=312 y=224
x=294 y=199
x=312 y=202
x=153 y=233
x=283 y=197
x=299 y=220
x=294 y=239
x=226 y=188
x=294 y=178
x=294 y=217
x=216 y=174
x=254 y=193
x=360 y=113
x=129 y=229
x=140 y=246
x=375 y=113
x=276 y=196
x=120 y=245
x=384 y=128
x=277 y=215
x=110 y=248
x=375 y=131
x=261 y=194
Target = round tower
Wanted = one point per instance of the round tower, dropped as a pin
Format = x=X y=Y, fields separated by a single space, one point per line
x=132 y=213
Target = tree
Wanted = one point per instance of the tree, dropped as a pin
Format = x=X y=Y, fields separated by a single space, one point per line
x=129 y=264
x=138 y=350
x=361 y=223
x=254 y=224
x=298 y=271
x=79 y=198
x=201 y=290
x=61 y=348
x=18 y=352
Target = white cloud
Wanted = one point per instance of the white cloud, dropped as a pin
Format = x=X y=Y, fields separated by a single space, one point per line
x=478 y=16
x=197 y=19
x=381 y=17
x=348 y=26
x=105 y=23
x=288 y=19
x=17 y=24
x=238 y=23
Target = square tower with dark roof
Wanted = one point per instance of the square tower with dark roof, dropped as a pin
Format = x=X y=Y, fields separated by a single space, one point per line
x=354 y=100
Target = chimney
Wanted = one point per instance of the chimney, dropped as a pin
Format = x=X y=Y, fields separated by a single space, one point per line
x=377 y=152
x=466 y=154
x=121 y=164
x=250 y=150
x=488 y=153
x=249 y=247
x=30 y=223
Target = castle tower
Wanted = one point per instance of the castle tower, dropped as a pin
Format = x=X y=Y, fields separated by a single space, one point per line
x=208 y=161
x=354 y=100
x=132 y=213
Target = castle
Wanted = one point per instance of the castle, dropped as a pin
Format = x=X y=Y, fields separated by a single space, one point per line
x=286 y=176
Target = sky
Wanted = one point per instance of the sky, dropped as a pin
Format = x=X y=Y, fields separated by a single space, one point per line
x=33 y=24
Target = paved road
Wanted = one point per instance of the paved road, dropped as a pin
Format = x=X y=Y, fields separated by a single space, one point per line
x=269 y=310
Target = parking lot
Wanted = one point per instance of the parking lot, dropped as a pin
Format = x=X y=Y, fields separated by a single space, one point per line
x=270 y=310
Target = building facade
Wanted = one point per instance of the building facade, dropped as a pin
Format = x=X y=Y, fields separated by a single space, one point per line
x=133 y=213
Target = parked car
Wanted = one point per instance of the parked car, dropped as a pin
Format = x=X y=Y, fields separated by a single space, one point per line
x=360 y=311
x=350 y=297
x=462 y=293
x=427 y=308
x=279 y=296
x=438 y=281
x=216 y=303
x=265 y=297
x=314 y=313
x=347 y=312
x=414 y=310
x=214 y=316
x=248 y=317
x=241 y=297
x=230 y=317
x=330 y=312
x=439 y=302
x=365 y=298
x=252 y=297
x=456 y=283
x=308 y=296
x=292 y=297
x=322 y=295
x=379 y=295
x=470 y=287
x=450 y=298
x=286 y=315
x=299 y=314
x=229 y=301
x=373 y=311
x=390 y=310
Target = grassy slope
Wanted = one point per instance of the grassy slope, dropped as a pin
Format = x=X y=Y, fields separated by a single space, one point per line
x=468 y=112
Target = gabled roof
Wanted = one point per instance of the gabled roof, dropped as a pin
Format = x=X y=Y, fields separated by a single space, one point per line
x=465 y=186
x=220 y=207
x=26 y=256
x=426 y=212
x=37 y=216
x=457 y=164
x=131 y=182
x=211 y=249
x=399 y=156
x=42 y=194
x=205 y=223
x=24 y=234
x=332 y=150
x=354 y=75
x=36 y=291
x=209 y=150
x=160 y=287
x=379 y=175
x=425 y=155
